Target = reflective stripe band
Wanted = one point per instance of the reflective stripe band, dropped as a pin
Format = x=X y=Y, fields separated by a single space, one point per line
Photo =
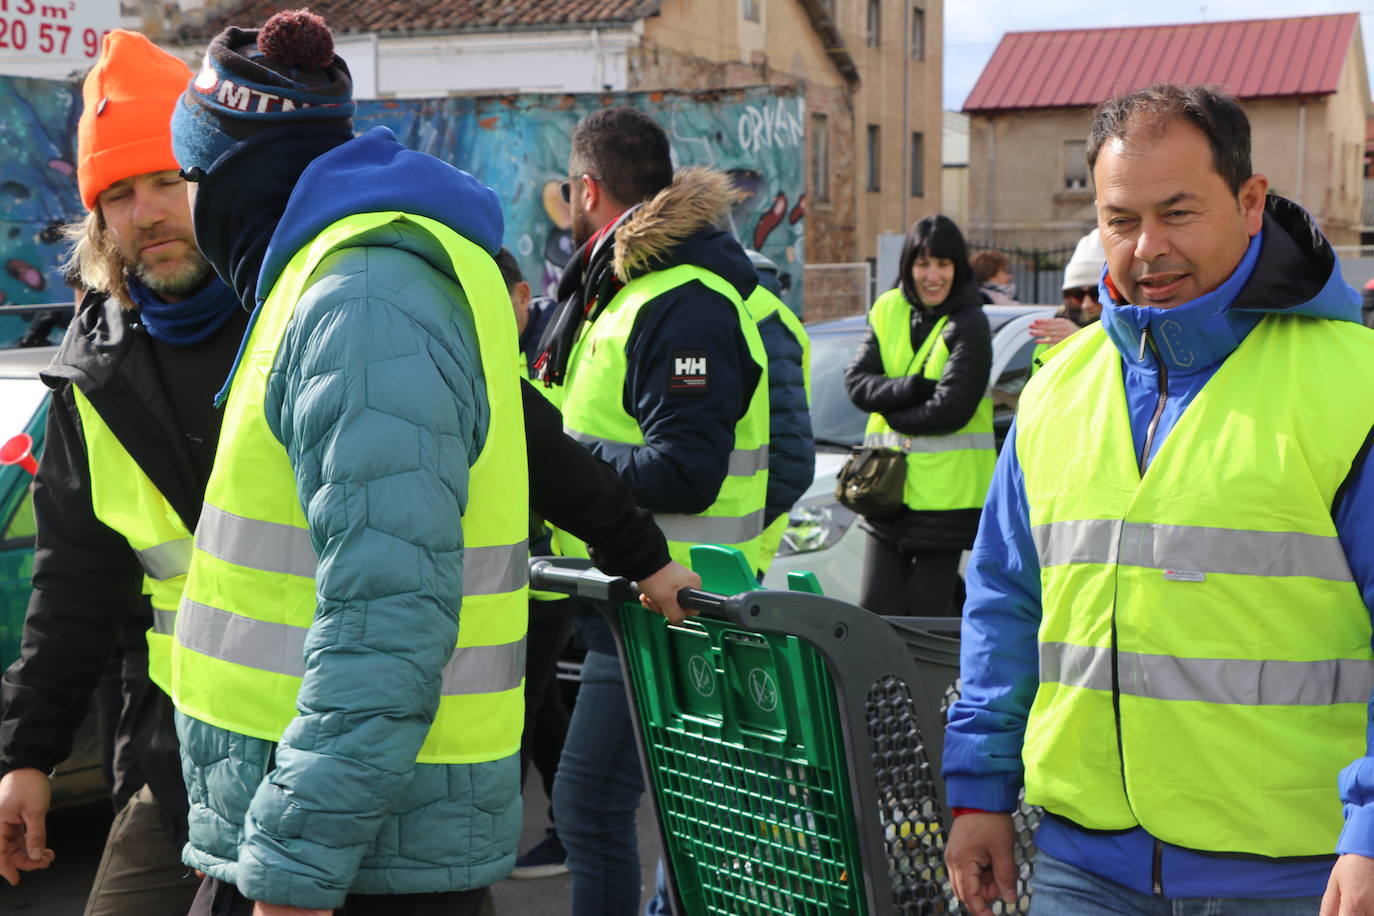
x=743 y=462
x=496 y=569
x=164 y=622
x=272 y=547
x=923 y=445
x=1191 y=549
x=746 y=462
x=1076 y=666
x=265 y=546
x=1235 y=681
x=167 y=560
x=709 y=529
x=280 y=649
x=484 y=669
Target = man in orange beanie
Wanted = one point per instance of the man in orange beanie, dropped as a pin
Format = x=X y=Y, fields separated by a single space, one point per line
x=129 y=445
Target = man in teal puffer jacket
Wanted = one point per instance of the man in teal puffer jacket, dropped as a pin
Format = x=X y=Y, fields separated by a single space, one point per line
x=379 y=402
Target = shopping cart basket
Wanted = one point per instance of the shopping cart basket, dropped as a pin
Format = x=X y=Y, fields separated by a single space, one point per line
x=791 y=741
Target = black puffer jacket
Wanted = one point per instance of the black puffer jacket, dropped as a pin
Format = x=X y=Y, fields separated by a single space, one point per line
x=919 y=406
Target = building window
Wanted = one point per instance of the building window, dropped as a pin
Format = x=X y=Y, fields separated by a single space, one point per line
x=875 y=23
x=1075 y=163
x=918 y=164
x=875 y=137
x=820 y=157
x=918 y=33
x=750 y=9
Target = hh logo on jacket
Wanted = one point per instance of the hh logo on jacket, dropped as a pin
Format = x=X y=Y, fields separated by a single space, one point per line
x=689 y=371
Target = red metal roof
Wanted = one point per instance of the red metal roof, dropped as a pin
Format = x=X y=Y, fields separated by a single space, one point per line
x=1075 y=68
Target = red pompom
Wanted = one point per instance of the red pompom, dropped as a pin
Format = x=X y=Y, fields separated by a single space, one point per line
x=297 y=38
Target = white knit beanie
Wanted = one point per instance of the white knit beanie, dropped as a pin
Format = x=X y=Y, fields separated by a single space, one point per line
x=1085 y=267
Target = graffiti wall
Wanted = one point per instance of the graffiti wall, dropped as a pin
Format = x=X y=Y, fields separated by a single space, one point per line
x=516 y=144
x=37 y=190
x=519 y=146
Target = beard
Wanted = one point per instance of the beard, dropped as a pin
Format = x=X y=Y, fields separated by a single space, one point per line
x=582 y=228
x=179 y=278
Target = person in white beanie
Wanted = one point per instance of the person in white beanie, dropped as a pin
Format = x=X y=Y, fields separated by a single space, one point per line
x=1082 y=302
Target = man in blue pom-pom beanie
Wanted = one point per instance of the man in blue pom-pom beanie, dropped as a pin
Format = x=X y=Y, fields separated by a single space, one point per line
x=350 y=648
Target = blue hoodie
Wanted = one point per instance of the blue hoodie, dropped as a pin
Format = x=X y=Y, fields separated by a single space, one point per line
x=1288 y=268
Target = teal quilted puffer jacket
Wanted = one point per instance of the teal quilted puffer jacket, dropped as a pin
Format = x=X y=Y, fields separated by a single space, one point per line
x=378 y=398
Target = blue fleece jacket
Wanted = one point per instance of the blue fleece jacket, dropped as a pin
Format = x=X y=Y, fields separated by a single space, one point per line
x=1289 y=268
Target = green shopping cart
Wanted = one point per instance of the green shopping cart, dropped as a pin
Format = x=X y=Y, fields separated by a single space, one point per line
x=791 y=743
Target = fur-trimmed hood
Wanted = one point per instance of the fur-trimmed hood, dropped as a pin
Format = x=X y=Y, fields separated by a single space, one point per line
x=698 y=200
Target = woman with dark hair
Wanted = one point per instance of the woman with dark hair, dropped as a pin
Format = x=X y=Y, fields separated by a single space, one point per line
x=922 y=374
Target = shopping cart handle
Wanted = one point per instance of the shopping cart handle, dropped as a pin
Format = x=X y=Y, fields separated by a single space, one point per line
x=578 y=577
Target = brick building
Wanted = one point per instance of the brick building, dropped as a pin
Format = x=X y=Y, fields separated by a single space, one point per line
x=1301 y=81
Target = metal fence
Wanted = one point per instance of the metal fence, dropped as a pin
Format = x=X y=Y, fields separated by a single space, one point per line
x=836 y=290
x=1038 y=272
x=1357 y=263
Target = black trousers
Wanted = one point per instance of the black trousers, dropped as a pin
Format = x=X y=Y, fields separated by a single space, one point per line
x=546 y=718
x=215 y=898
x=917 y=584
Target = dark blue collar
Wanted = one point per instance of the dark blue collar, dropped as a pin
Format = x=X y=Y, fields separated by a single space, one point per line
x=189 y=321
x=1189 y=337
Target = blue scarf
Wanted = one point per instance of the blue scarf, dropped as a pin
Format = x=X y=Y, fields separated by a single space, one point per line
x=189 y=321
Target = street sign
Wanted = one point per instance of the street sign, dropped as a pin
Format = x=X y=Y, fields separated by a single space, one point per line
x=53 y=31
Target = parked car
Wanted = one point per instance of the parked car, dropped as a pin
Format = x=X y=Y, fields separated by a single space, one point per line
x=821 y=536
x=24 y=409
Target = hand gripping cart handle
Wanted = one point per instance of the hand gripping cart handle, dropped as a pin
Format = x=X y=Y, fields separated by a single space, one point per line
x=791 y=742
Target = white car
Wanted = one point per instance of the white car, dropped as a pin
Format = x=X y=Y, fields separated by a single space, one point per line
x=822 y=536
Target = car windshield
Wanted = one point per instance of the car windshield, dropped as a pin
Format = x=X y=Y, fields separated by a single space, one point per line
x=835 y=421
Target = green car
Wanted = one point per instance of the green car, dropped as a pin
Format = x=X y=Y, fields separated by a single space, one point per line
x=24 y=409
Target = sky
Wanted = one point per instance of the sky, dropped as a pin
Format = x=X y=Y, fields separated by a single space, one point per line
x=973 y=27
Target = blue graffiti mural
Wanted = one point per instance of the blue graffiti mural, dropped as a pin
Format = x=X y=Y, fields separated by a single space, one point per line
x=37 y=190
x=516 y=144
x=519 y=146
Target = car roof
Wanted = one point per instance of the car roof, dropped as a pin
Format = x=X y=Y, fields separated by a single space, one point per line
x=26 y=362
x=853 y=323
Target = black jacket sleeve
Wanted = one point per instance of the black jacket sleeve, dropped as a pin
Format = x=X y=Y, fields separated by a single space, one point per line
x=962 y=384
x=582 y=494
x=872 y=391
x=87 y=586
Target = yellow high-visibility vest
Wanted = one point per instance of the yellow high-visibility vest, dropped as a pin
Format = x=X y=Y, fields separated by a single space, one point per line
x=951 y=471
x=593 y=409
x=238 y=658
x=1205 y=663
x=127 y=500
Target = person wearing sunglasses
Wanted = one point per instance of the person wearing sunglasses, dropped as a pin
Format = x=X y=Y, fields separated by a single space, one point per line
x=1081 y=303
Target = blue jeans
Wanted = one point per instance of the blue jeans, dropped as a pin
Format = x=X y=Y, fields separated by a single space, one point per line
x=1060 y=889
x=597 y=792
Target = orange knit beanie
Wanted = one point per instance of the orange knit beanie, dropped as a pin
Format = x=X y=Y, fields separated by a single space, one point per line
x=125 y=126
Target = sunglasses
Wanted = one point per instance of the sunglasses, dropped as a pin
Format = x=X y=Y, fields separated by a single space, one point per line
x=1078 y=293
x=565 y=186
x=194 y=173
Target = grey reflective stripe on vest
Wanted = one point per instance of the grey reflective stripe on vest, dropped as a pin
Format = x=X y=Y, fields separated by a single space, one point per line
x=743 y=462
x=265 y=546
x=924 y=445
x=709 y=529
x=280 y=649
x=1236 y=681
x=166 y=560
x=1076 y=666
x=272 y=547
x=1195 y=549
x=164 y=622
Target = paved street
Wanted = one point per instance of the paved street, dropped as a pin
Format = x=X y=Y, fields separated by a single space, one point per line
x=77 y=836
